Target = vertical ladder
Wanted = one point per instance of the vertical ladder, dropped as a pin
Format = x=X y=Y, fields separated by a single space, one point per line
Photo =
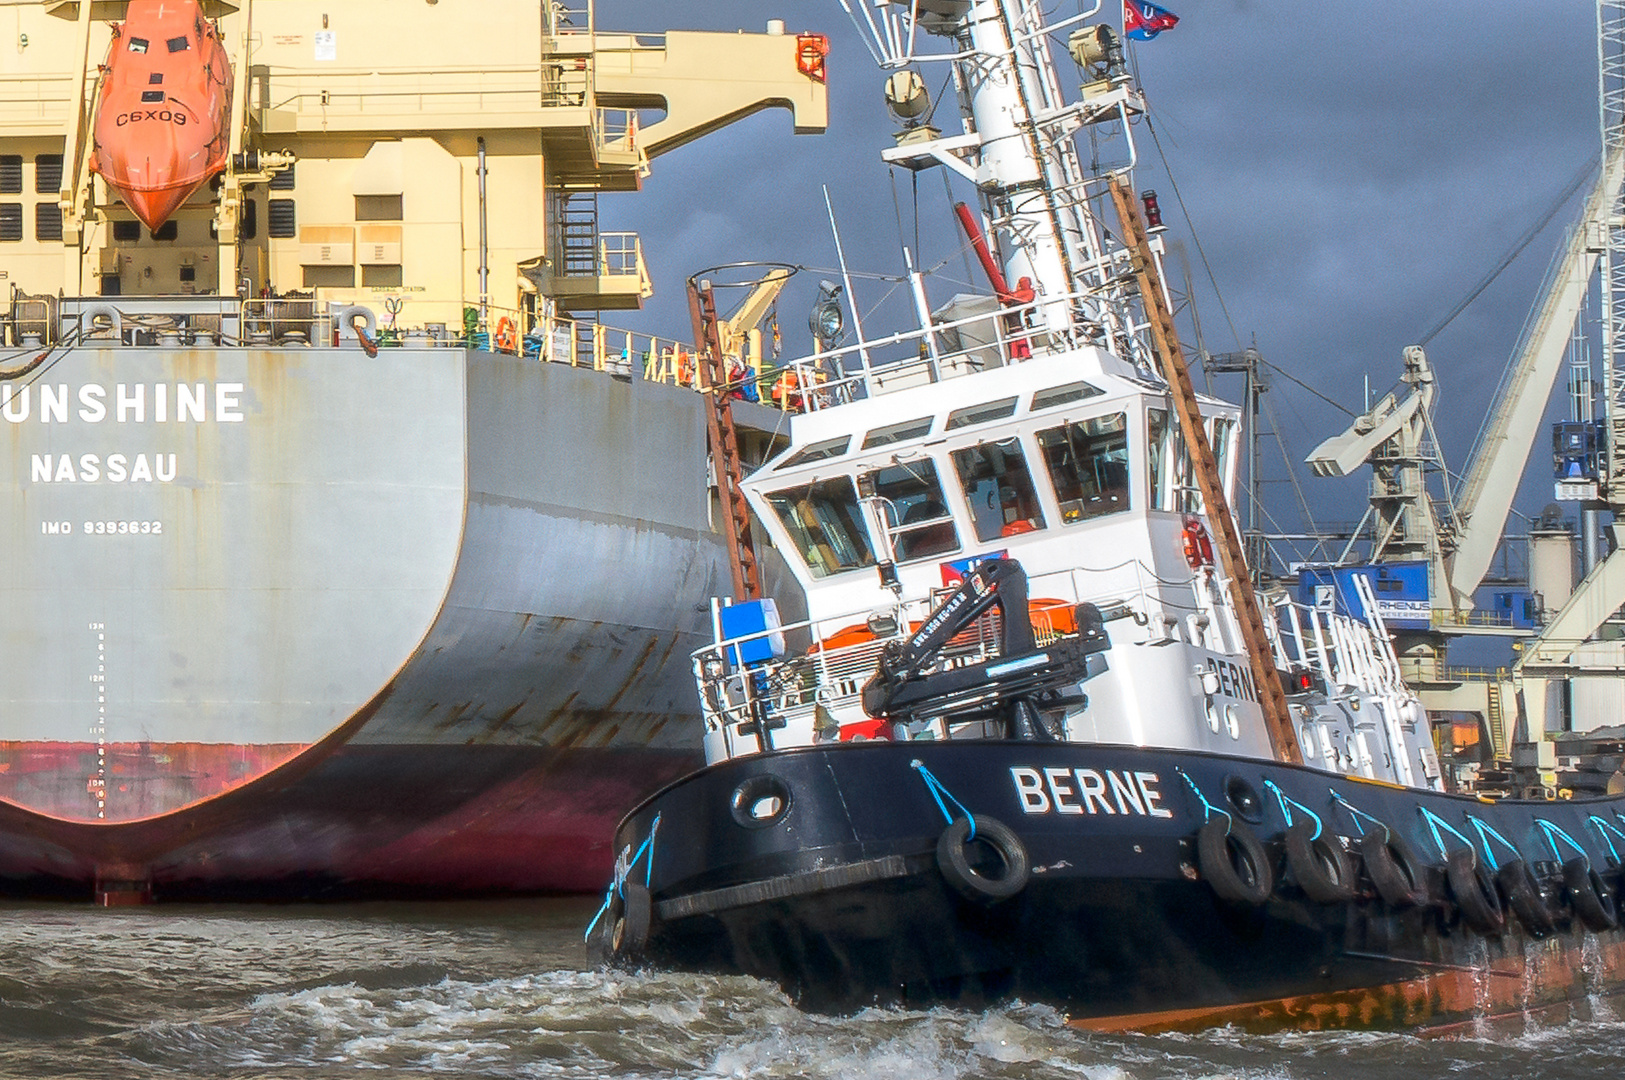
x=1495 y=720
x=1165 y=341
x=724 y=442
x=578 y=235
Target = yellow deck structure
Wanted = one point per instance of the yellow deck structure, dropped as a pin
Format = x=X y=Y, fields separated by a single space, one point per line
x=357 y=147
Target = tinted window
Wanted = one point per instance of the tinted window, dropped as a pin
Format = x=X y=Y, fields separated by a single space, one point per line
x=916 y=513
x=1061 y=395
x=1172 y=487
x=908 y=429
x=825 y=524
x=999 y=489
x=819 y=451
x=1088 y=464
x=981 y=414
x=178 y=44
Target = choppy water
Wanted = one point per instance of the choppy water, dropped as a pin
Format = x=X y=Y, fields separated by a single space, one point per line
x=499 y=990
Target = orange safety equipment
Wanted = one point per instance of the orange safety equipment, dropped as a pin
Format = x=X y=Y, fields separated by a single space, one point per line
x=162 y=127
x=506 y=338
x=811 y=49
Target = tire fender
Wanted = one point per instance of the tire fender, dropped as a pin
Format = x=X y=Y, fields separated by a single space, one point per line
x=629 y=924
x=953 y=860
x=1593 y=903
x=1319 y=864
x=1395 y=871
x=1474 y=892
x=1523 y=897
x=1233 y=863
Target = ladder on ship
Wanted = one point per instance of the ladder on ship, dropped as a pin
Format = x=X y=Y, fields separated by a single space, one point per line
x=726 y=463
x=1495 y=720
x=1165 y=342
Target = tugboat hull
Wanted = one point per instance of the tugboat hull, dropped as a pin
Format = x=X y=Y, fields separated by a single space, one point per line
x=850 y=897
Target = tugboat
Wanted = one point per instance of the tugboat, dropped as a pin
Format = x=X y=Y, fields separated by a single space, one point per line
x=1040 y=737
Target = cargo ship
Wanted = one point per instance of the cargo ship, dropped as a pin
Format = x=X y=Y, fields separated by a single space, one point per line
x=350 y=552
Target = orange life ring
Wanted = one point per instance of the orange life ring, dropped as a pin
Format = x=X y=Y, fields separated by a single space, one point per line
x=811 y=49
x=505 y=337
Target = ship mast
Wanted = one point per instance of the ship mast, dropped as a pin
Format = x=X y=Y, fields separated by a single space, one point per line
x=1019 y=150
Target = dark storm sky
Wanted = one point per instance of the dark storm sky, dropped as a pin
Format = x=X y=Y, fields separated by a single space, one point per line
x=1351 y=171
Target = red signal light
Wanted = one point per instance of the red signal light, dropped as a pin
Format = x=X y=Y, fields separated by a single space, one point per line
x=1153 y=212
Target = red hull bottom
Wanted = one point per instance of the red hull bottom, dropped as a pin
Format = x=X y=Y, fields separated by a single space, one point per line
x=368 y=821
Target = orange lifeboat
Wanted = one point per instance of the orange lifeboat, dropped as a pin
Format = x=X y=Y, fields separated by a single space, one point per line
x=162 y=122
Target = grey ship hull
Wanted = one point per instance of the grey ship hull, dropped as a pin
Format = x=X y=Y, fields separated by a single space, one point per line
x=300 y=621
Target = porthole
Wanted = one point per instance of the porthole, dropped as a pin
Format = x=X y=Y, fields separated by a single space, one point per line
x=1244 y=799
x=760 y=801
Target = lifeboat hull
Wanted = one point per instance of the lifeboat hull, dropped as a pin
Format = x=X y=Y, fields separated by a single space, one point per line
x=161 y=128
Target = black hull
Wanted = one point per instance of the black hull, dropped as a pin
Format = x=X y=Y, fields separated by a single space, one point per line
x=844 y=903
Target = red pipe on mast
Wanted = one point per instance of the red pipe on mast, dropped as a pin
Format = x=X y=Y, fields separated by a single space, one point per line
x=1023 y=292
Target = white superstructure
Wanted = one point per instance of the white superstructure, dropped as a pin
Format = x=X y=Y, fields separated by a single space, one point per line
x=1034 y=430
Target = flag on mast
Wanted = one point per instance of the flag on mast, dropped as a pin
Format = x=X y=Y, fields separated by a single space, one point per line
x=1143 y=20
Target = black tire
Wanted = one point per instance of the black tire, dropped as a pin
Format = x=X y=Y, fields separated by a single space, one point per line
x=1319 y=864
x=1394 y=870
x=629 y=928
x=1589 y=894
x=1474 y=892
x=1233 y=862
x=953 y=859
x=1523 y=897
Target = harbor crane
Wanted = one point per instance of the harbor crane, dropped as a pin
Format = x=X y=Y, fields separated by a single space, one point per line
x=1572 y=667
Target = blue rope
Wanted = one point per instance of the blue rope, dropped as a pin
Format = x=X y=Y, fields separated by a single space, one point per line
x=1603 y=829
x=937 y=790
x=1434 y=821
x=1282 y=798
x=1208 y=809
x=1550 y=839
x=618 y=886
x=1355 y=813
x=1489 y=852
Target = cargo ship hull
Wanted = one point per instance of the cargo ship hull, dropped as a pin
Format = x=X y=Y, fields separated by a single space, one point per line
x=305 y=621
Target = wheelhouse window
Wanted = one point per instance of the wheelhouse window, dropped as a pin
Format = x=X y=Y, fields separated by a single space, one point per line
x=893 y=433
x=916 y=513
x=984 y=413
x=1173 y=484
x=823 y=520
x=1003 y=501
x=1222 y=430
x=1088 y=464
x=1064 y=395
x=818 y=451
